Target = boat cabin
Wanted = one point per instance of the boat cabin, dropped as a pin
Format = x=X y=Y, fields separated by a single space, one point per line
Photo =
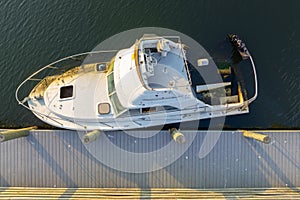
x=153 y=72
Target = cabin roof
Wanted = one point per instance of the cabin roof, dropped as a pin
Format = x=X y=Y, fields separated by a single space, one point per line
x=143 y=69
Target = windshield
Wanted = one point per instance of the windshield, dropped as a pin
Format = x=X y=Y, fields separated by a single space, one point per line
x=117 y=106
x=110 y=83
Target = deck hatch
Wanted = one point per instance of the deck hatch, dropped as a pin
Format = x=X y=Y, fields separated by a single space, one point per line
x=103 y=108
x=66 y=92
x=101 y=67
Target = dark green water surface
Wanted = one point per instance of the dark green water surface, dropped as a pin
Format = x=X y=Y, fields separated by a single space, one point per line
x=34 y=33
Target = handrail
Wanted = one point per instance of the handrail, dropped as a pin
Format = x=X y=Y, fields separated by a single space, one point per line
x=245 y=54
x=22 y=102
x=137 y=65
x=186 y=65
x=49 y=66
x=255 y=81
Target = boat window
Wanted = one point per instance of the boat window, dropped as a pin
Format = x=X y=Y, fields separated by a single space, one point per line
x=133 y=112
x=66 y=92
x=148 y=109
x=170 y=108
x=118 y=108
x=110 y=83
x=115 y=102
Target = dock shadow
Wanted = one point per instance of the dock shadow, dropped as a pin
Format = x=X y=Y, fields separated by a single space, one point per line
x=52 y=163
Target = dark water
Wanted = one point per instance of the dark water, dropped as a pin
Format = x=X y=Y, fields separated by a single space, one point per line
x=35 y=33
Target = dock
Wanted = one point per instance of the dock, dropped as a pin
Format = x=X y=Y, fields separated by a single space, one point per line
x=59 y=159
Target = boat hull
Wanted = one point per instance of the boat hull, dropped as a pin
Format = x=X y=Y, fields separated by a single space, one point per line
x=131 y=121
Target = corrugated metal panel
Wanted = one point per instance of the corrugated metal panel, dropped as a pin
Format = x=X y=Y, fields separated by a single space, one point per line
x=59 y=159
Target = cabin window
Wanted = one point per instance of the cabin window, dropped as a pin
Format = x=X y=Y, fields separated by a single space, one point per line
x=115 y=102
x=148 y=109
x=158 y=109
x=110 y=83
x=118 y=108
x=66 y=92
x=170 y=108
x=134 y=112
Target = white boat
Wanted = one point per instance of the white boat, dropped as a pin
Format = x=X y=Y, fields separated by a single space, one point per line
x=147 y=84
